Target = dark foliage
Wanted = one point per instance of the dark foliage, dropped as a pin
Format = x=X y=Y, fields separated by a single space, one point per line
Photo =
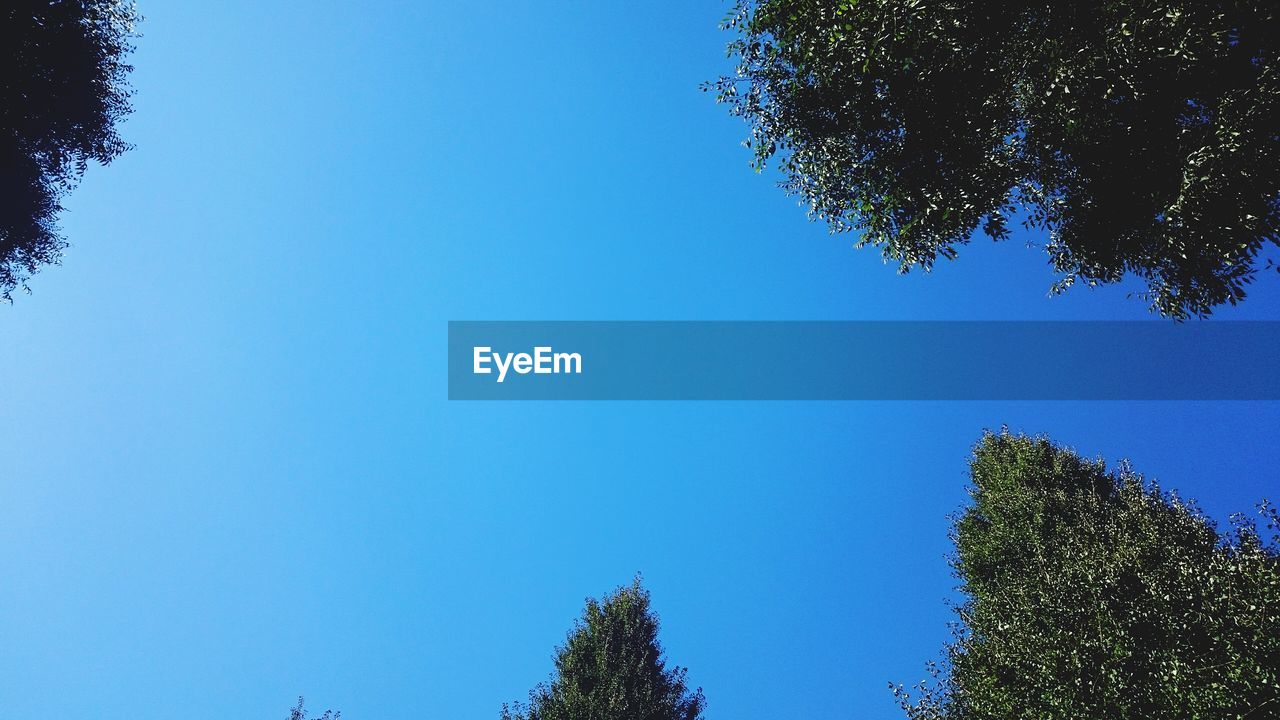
x=1142 y=137
x=62 y=91
x=1092 y=594
x=612 y=666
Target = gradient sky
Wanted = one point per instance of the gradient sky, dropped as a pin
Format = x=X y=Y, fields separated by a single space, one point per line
x=232 y=476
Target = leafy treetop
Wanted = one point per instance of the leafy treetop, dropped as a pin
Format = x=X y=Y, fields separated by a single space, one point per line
x=1143 y=137
x=612 y=666
x=63 y=89
x=1093 y=594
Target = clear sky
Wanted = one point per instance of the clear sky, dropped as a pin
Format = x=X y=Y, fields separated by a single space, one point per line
x=231 y=473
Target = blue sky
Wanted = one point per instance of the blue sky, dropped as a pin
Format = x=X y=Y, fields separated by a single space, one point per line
x=232 y=475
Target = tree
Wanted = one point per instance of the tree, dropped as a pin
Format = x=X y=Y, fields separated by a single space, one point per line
x=611 y=667
x=62 y=90
x=1142 y=137
x=1093 y=594
x=299 y=712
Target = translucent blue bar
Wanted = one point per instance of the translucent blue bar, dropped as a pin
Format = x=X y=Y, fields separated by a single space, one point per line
x=1157 y=360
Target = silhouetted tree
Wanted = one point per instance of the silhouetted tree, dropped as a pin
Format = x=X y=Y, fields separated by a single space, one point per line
x=62 y=90
x=299 y=712
x=612 y=667
x=1092 y=594
x=1144 y=137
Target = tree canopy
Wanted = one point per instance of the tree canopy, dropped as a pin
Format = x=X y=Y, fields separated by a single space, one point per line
x=612 y=666
x=299 y=712
x=63 y=89
x=1140 y=137
x=1093 y=594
